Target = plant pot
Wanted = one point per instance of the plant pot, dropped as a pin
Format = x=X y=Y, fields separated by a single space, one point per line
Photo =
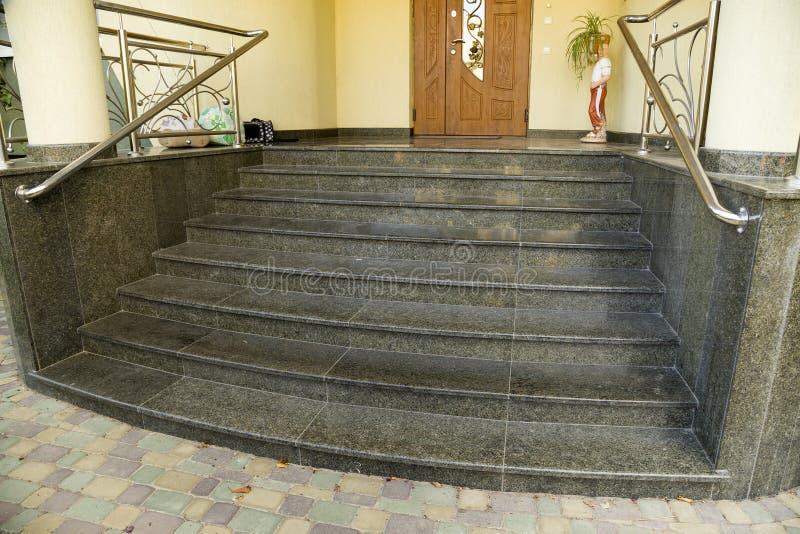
x=596 y=41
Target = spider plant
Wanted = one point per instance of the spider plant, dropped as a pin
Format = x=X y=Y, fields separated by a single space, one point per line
x=579 y=48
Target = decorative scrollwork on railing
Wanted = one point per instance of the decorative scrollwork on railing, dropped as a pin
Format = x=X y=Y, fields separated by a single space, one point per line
x=686 y=82
x=155 y=75
x=680 y=86
x=474 y=34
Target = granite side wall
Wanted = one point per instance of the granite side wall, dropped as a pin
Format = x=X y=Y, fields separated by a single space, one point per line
x=64 y=254
x=735 y=302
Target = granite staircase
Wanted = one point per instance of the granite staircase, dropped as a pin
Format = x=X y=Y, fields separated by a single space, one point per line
x=475 y=317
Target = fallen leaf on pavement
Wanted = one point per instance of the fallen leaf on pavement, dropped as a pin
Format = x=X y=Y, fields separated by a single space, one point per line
x=243 y=489
x=437 y=484
x=283 y=463
x=685 y=499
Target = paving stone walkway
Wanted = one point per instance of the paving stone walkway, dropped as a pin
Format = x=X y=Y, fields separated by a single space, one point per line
x=67 y=470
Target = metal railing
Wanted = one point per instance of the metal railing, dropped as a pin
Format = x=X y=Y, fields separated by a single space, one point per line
x=679 y=85
x=184 y=89
x=656 y=96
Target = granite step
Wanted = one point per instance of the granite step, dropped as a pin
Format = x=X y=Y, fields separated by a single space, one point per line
x=596 y=159
x=498 y=285
x=594 y=183
x=507 y=211
x=525 y=391
x=465 y=451
x=442 y=329
x=565 y=248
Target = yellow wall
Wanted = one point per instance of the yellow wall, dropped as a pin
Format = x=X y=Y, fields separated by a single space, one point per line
x=755 y=98
x=557 y=100
x=289 y=78
x=373 y=58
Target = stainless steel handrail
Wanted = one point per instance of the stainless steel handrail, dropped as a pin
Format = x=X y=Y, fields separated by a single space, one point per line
x=103 y=30
x=685 y=146
x=27 y=193
x=164 y=17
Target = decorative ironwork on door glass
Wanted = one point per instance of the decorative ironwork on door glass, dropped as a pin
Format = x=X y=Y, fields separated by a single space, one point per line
x=474 y=34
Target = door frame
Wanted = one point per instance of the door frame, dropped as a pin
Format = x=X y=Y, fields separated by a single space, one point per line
x=440 y=124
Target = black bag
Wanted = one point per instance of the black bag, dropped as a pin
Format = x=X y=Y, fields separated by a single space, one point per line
x=258 y=132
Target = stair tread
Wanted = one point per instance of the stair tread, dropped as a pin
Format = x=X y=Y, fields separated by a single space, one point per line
x=431 y=233
x=498 y=202
x=438 y=272
x=412 y=317
x=626 y=385
x=390 y=435
x=514 y=173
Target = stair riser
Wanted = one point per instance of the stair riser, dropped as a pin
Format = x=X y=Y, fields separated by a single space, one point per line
x=413 y=342
x=427 y=251
x=444 y=159
x=487 y=218
x=348 y=392
x=443 y=186
x=442 y=293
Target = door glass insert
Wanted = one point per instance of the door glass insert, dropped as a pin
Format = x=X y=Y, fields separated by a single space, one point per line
x=474 y=36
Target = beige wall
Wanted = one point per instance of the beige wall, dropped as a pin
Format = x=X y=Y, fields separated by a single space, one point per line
x=290 y=78
x=373 y=58
x=557 y=100
x=755 y=98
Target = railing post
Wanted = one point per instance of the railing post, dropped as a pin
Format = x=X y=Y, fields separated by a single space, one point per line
x=4 y=161
x=797 y=161
x=128 y=86
x=196 y=95
x=708 y=72
x=647 y=112
x=237 y=141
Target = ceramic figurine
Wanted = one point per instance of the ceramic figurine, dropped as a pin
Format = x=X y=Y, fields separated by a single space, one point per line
x=601 y=73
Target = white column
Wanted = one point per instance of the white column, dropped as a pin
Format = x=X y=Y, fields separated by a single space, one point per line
x=755 y=96
x=57 y=56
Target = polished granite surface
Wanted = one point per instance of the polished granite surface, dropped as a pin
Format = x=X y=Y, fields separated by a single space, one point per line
x=405 y=232
x=397 y=436
x=422 y=199
x=437 y=272
x=416 y=317
x=403 y=373
x=461 y=172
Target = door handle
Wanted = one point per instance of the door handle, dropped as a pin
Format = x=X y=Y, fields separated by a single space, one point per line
x=457 y=41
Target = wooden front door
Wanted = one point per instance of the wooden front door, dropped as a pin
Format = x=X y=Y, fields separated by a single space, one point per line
x=471 y=66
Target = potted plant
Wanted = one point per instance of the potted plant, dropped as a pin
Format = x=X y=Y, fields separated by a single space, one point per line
x=585 y=41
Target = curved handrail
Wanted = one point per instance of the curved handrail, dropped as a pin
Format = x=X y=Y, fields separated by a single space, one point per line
x=683 y=143
x=27 y=193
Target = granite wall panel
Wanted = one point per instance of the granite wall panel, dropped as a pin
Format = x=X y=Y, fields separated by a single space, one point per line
x=705 y=266
x=735 y=302
x=64 y=254
x=44 y=303
x=761 y=416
